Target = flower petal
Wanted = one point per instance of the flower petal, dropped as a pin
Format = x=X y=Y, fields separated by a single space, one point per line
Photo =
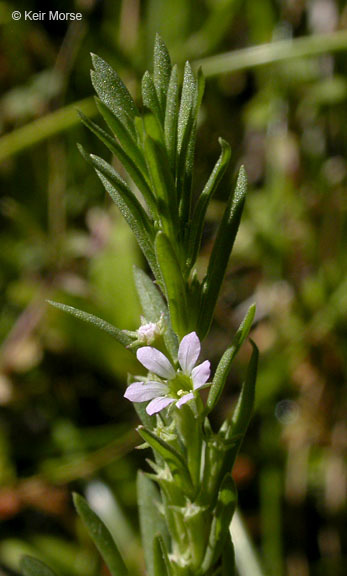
x=201 y=374
x=189 y=351
x=184 y=399
x=158 y=404
x=144 y=391
x=155 y=362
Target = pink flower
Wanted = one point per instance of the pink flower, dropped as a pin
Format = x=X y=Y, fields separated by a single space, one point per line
x=172 y=386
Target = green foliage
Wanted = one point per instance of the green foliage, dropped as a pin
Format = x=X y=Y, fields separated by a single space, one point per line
x=220 y=254
x=160 y=163
x=117 y=334
x=225 y=362
x=101 y=537
x=152 y=524
x=285 y=120
x=33 y=567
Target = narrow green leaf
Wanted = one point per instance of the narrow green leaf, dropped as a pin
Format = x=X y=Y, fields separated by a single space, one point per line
x=127 y=162
x=190 y=149
x=162 y=181
x=161 y=70
x=128 y=205
x=185 y=129
x=124 y=136
x=228 y=558
x=150 y=97
x=129 y=199
x=171 y=118
x=225 y=362
x=187 y=151
x=225 y=507
x=147 y=420
x=153 y=306
x=187 y=102
x=242 y=414
x=152 y=522
x=101 y=537
x=111 y=90
x=32 y=567
x=174 y=284
x=221 y=252
x=162 y=448
x=117 y=334
x=161 y=563
x=198 y=219
x=152 y=302
x=244 y=407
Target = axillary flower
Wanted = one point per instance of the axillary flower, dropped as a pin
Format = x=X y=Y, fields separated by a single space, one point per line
x=172 y=386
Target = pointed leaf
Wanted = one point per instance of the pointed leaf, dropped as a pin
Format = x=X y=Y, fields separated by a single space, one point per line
x=152 y=302
x=152 y=522
x=228 y=558
x=111 y=90
x=174 y=284
x=225 y=362
x=208 y=192
x=242 y=414
x=171 y=118
x=186 y=154
x=128 y=205
x=161 y=70
x=153 y=306
x=187 y=102
x=162 y=448
x=224 y=510
x=221 y=251
x=244 y=407
x=32 y=567
x=127 y=162
x=162 y=182
x=124 y=136
x=101 y=537
x=117 y=334
x=150 y=97
x=161 y=563
x=147 y=420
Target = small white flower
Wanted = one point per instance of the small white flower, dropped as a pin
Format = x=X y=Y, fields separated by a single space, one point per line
x=148 y=332
x=175 y=386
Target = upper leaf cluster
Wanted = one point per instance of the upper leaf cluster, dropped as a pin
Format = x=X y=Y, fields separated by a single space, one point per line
x=156 y=148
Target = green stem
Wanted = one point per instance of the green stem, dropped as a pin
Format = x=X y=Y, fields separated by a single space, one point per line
x=273 y=52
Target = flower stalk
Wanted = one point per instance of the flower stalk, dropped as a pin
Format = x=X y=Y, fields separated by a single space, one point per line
x=188 y=498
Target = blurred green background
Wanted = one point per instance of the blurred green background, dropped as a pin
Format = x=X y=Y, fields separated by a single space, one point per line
x=64 y=424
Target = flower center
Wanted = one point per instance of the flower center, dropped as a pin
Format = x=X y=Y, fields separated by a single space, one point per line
x=180 y=385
